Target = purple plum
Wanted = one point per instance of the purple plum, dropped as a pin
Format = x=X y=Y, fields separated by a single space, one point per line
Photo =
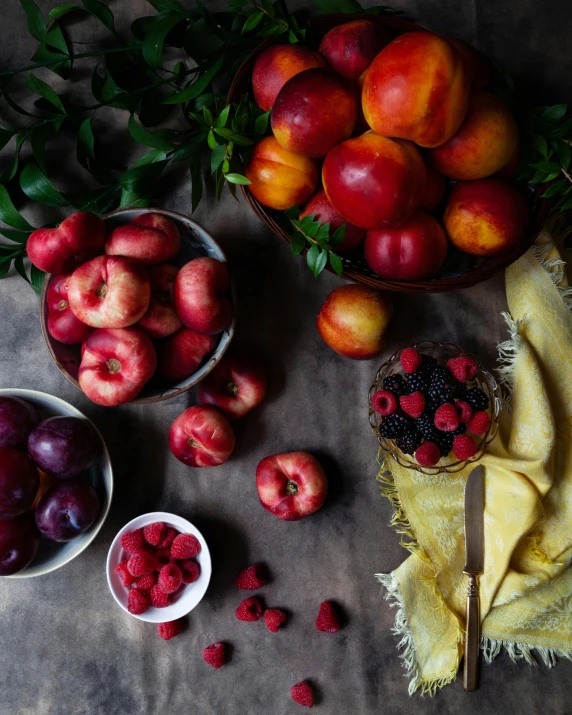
x=19 y=481
x=17 y=419
x=66 y=510
x=19 y=541
x=64 y=446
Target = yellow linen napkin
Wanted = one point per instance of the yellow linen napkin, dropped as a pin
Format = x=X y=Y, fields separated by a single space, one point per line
x=526 y=587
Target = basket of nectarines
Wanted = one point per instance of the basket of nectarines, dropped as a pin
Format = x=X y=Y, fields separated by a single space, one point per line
x=390 y=134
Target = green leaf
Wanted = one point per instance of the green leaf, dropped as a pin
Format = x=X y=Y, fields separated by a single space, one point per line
x=36 y=278
x=61 y=10
x=338 y=236
x=10 y=171
x=252 y=22
x=564 y=154
x=550 y=177
x=196 y=185
x=217 y=157
x=567 y=205
x=237 y=179
x=197 y=87
x=547 y=166
x=211 y=141
x=312 y=257
x=292 y=38
x=141 y=178
x=297 y=243
x=5 y=267
x=222 y=118
x=36 y=185
x=208 y=115
x=333 y=6
x=336 y=263
x=555 y=188
x=100 y=11
x=8 y=213
x=34 y=19
x=38 y=139
x=56 y=40
x=539 y=143
x=292 y=213
x=174 y=5
x=44 y=90
x=152 y=47
x=142 y=136
x=86 y=138
x=321 y=262
x=261 y=123
x=5 y=136
x=20 y=268
x=14 y=235
x=553 y=114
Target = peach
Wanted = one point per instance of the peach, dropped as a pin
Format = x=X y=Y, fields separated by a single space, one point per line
x=183 y=353
x=275 y=66
x=434 y=189
x=322 y=209
x=201 y=437
x=161 y=319
x=413 y=251
x=353 y=321
x=374 y=181
x=486 y=140
x=201 y=295
x=149 y=238
x=278 y=178
x=115 y=365
x=350 y=48
x=487 y=217
x=417 y=88
x=63 y=326
x=314 y=111
x=477 y=65
x=59 y=250
x=236 y=386
x=109 y=292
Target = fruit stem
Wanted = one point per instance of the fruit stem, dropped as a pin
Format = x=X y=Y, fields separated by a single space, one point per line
x=291 y=487
x=232 y=388
x=191 y=442
x=114 y=366
x=63 y=304
x=101 y=291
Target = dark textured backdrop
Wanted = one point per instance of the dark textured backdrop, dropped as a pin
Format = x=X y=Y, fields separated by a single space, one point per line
x=67 y=649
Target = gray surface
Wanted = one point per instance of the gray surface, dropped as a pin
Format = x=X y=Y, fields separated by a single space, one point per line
x=67 y=649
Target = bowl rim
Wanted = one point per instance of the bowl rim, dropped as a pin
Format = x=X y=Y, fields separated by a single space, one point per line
x=25 y=393
x=160 y=615
x=168 y=393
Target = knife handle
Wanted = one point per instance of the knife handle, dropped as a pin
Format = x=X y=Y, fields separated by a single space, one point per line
x=472 y=635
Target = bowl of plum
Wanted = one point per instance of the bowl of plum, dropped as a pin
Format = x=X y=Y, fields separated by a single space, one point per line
x=56 y=483
x=137 y=306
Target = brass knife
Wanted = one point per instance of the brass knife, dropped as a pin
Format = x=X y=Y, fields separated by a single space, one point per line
x=474 y=547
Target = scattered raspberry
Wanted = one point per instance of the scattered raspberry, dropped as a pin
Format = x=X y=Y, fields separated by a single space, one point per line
x=170 y=578
x=464 y=411
x=384 y=402
x=123 y=572
x=413 y=405
x=410 y=360
x=428 y=454
x=463 y=447
x=132 y=541
x=327 y=620
x=140 y=563
x=162 y=557
x=446 y=418
x=158 y=598
x=215 y=655
x=154 y=533
x=190 y=570
x=302 y=694
x=169 y=538
x=251 y=578
x=249 y=610
x=146 y=583
x=462 y=368
x=137 y=602
x=274 y=618
x=185 y=546
x=170 y=629
x=480 y=423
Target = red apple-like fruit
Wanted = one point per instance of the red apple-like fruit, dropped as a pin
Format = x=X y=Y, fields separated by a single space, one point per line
x=291 y=485
x=109 y=292
x=17 y=419
x=324 y=212
x=236 y=385
x=19 y=541
x=161 y=318
x=350 y=48
x=63 y=325
x=116 y=364
x=201 y=295
x=183 y=353
x=149 y=238
x=18 y=482
x=411 y=252
x=201 y=437
x=59 y=250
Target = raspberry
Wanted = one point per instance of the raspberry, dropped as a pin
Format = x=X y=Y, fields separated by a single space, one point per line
x=428 y=454
x=123 y=572
x=274 y=618
x=162 y=557
x=413 y=405
x=140 y=563
x=384 y=402
x=169 y=538
x=251 y=578
x=154 y=533
x=170 y=629
x=410 y=360
x=170 y=578
x=464 y=411
x=158 y=598
x=462 y=368
x=137 y=602
x=146 y=583
x=190 y=570
x=463 y=447
x=132 y=541
x=480 y=423
x=327 y=620
x=249 y=610
x=446 y=418
x=215 y=655
x=185 y=546
x=302 y=694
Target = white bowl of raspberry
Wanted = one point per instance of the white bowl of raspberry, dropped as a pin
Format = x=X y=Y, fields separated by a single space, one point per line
x=158 y=567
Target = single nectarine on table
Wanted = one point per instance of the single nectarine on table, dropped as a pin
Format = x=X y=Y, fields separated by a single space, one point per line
x=417 y=88
x=324 y=212
x=433 y=190
x=150 y=238
x=353 y=321
x=484 y=143
x=373 y=181
x=201 y=437
x=278 y=178
x=477 y=65
x=487 y=217
x=235 y=386
x=161 y=319
x=314 y=111
x=350 y=48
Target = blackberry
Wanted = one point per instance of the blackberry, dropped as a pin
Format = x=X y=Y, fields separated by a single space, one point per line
x=442 y=386
x=427 y=366
x=393 y=426
x=395 y=384
x=417 y=382
x=409 y=441
x=461 y=429
x=445 y=442
x=476 y=398
x=426 y=427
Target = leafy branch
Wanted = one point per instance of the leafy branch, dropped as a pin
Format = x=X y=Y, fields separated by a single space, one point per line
x=315 y=236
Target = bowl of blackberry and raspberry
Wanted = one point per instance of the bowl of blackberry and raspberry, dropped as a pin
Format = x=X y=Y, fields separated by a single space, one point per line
x=434 y=408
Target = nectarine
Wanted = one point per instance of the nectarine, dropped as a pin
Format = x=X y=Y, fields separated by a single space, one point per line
x=324 y=212
x=150 y=238
x=350 y=48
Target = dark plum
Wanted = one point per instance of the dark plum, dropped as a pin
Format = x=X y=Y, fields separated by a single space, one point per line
x=19 y=541
x=67 y=510
x=64 y=446
x=17 y=419
x=19 y=481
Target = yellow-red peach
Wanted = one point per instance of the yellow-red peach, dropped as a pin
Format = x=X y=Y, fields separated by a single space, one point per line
x=417 y=88
x=477 y=65
x=350 y=48
x=324 y=212
x=433 y=190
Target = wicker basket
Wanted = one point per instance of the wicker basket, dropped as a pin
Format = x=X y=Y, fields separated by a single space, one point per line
x=463 y=271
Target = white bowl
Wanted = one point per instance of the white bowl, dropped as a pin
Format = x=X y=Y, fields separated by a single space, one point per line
x=52 y=555
x=188 y=598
